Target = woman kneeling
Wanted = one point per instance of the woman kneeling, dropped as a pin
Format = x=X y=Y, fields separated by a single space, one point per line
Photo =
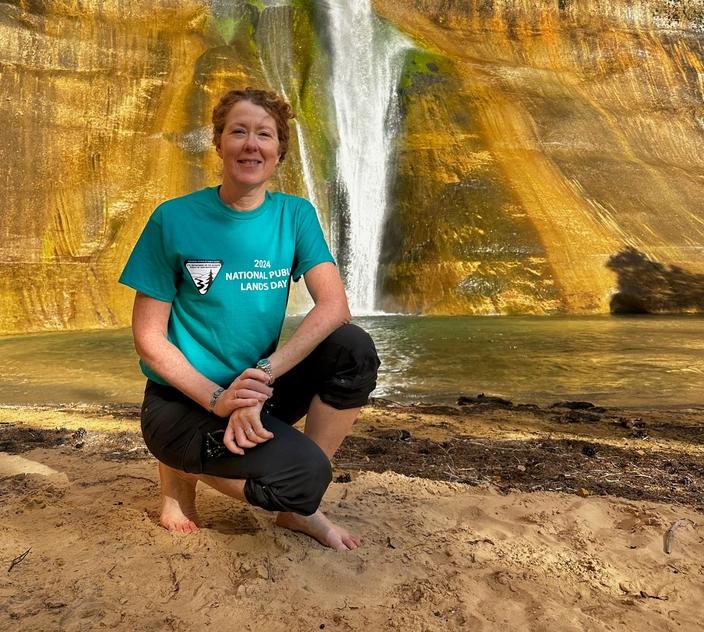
x=212 y=271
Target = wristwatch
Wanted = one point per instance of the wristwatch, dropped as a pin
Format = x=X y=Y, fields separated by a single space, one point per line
x=265 y=366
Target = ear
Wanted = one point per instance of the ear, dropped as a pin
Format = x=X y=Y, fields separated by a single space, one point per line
x=218 y=149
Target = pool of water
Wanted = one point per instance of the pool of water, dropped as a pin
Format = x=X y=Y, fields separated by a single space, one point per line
x=628 y=361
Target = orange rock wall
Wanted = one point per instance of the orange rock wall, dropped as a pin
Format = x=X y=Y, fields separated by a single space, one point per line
x=581 y=120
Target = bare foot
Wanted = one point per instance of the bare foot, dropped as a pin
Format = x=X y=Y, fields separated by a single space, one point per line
x=321 y=529
x=178 y=500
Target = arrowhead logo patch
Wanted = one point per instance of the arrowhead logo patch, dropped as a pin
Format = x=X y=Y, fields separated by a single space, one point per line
x=203 y=272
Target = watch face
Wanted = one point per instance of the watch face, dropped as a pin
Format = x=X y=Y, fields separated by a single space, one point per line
x=265 y=366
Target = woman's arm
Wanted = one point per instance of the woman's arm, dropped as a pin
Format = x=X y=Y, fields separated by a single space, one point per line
x=329 y=312
x=150 y=319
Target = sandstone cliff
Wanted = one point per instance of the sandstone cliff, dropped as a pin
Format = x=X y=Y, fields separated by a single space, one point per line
x=549 y=155
x=106 y=113
x=541 y=140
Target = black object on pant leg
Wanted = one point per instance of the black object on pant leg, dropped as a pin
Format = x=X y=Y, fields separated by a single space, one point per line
x=298 y=484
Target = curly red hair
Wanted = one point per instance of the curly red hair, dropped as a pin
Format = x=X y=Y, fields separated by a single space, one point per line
x=274 y=104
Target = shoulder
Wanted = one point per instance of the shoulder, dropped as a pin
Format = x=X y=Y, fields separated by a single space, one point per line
x=184 y=204
x=290 y=202
x=295 y=209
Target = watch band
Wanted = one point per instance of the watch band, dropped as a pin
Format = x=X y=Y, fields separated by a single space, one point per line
x=215 y=396
x=265 y=366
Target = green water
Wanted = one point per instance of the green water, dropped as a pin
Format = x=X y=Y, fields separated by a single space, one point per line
x=634 y=361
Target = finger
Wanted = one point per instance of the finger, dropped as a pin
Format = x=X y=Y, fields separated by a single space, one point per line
x=256 y=374
x=255 y=385
x=260 y=431
x=231 y=404
x=244 y=402
x=229 y=441
x=254 y=438
x=252 y=394
x=241 y=438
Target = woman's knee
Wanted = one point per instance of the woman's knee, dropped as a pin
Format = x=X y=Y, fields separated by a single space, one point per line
x=354 y=339
x=354 y=369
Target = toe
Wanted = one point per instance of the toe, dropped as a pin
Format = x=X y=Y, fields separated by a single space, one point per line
x=350 y=542
x=354 y=539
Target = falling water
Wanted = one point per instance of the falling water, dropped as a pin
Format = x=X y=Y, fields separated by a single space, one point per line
x=367 y=59
x=275 y=44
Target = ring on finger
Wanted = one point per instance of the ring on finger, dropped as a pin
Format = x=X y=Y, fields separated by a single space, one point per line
x=248 y=431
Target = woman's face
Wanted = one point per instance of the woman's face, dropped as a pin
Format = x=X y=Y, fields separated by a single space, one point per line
x=249 y=145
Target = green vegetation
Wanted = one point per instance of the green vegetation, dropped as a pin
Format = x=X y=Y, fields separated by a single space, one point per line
x=422 y=68
x=422 y=60
x=312 y=71
x=226 y=27
x=235 y=24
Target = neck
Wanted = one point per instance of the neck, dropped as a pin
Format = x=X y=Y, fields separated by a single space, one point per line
x=242 y=199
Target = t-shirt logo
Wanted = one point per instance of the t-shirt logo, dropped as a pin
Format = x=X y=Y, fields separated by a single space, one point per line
x=203 y=272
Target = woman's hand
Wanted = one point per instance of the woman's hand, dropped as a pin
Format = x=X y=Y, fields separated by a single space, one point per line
x=249 y=389
x=245 y=429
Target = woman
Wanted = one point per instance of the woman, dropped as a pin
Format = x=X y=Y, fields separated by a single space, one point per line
x=212 y=271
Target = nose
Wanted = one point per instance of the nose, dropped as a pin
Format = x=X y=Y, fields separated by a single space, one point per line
x=250 y=143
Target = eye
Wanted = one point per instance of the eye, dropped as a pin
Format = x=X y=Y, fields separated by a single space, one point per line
x=238 y=131
x=266 y=134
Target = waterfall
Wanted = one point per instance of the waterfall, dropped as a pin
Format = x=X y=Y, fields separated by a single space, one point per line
x=305 y=162
x=366 y=63
x=367 y=58
x=276 y=53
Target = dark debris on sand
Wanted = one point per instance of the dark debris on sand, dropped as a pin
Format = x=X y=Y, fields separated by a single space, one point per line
x=18 y=439
x=119 y=446
x=568 y=466
x=584 y=464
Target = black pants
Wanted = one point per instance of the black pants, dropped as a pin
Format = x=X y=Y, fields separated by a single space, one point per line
x=289 y=472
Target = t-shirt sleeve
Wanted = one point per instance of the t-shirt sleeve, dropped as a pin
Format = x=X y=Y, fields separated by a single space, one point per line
x=311 y=248
x=149 y=269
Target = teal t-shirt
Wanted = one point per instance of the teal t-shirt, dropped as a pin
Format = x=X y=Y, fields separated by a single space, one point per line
x=226 y=274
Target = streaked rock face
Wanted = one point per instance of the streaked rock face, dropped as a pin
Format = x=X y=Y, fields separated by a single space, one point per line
x=550 y=151
x=106 y=109
x=541 y=141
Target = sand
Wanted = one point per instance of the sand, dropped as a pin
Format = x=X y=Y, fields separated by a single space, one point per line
x=437 y=555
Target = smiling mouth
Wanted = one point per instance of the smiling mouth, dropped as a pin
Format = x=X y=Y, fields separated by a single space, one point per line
x=249 y=162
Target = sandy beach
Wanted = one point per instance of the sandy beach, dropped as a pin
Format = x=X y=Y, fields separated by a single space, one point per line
x=485 y=516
